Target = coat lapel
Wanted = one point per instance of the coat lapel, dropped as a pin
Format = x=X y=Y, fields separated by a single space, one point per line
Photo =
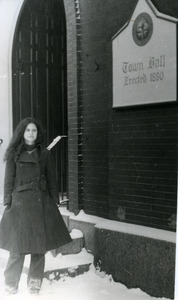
x=29 y=158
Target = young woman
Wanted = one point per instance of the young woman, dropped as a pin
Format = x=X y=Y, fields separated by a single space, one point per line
x=31 y=222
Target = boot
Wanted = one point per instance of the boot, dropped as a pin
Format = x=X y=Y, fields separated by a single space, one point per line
x=10 y=289
x=34 y=286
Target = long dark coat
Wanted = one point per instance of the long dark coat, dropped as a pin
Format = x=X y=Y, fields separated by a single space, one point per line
x=31 y=222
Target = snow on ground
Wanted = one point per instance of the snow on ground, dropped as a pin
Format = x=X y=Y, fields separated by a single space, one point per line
x=92 y=285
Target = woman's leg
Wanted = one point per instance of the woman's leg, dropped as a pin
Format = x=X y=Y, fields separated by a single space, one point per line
x=13 y=271
x=36 y=272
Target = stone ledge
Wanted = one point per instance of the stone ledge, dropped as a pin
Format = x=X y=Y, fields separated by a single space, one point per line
x=88 y=231
x=137 y=261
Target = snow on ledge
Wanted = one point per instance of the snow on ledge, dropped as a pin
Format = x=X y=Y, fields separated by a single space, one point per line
x=82 y=216
x=76 y=234
x=139 y=230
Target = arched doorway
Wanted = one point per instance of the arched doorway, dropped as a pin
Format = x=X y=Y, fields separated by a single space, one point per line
x=39 y=74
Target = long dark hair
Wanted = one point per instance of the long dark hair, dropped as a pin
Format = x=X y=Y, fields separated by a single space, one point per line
x=17 y=144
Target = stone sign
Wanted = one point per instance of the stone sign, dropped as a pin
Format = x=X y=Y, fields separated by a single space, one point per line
x=145 y=59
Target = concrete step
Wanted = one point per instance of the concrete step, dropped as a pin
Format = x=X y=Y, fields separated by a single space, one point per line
x=67 y=265
x=64 y=272
x=73 y=255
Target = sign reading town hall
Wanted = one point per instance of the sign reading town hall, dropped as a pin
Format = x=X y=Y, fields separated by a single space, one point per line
x=144 y=58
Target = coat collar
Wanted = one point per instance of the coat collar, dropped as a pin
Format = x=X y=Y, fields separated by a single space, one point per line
x=26 y=157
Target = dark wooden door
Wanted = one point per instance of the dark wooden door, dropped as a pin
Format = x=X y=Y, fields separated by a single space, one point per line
x=39 y=74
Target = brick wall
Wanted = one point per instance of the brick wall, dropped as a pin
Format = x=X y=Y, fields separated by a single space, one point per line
x=98 y=24
x=72 y=90
x=125 y=160
x=143 y=168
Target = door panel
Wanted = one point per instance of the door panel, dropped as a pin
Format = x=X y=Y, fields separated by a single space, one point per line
x=39 y=73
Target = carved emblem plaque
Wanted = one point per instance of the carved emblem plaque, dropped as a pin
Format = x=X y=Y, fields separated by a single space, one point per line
x=142 y=29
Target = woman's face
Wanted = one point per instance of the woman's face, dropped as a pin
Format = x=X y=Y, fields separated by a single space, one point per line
x=30 y=134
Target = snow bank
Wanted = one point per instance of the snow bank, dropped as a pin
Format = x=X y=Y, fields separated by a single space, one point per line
x=92 y=285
